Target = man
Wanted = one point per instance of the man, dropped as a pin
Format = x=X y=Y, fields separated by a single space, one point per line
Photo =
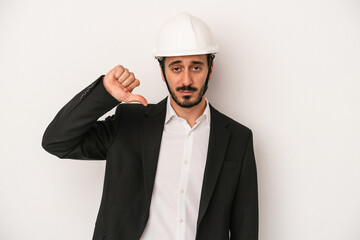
x=177 y=170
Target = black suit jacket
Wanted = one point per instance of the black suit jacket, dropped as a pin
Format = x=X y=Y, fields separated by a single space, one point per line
x=130 y=141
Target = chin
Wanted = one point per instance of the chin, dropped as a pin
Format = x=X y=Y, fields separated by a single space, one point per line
x=187 y=101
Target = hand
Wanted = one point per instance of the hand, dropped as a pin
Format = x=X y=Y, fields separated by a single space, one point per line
x=119 y=82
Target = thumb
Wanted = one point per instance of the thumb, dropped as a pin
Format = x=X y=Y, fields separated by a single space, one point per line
x=137 y=98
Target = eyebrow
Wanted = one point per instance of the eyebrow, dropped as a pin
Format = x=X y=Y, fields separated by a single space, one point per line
x=179 y=61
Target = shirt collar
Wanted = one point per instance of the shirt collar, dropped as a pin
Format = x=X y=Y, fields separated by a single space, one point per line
x=170 y=112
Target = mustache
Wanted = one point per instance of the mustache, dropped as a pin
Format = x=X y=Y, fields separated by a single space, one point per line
x=186 y=88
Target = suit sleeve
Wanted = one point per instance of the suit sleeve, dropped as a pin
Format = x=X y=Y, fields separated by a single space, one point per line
x=244 y=214
x=75 y=132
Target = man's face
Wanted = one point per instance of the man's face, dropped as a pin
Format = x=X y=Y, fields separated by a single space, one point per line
x=186 y=76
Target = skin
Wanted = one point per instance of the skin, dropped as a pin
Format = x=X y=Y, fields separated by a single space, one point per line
x=180 y=71
x=187 y=71
x=120 y=83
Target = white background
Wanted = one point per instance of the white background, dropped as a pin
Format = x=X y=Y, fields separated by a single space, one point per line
x=287 y=69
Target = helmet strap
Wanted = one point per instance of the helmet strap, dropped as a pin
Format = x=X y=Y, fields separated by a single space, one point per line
x=210 y=61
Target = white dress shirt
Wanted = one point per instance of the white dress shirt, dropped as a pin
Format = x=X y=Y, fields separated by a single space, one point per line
x=179 y=176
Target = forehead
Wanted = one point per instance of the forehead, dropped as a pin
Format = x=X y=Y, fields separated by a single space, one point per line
x=187 y=59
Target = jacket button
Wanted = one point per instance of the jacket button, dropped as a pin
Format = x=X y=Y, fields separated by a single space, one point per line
x=144 y=217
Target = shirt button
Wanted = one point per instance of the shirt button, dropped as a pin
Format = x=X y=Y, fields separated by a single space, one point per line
x=190 y=134
x=182 y=191
x=181 y=220
x=186 y=162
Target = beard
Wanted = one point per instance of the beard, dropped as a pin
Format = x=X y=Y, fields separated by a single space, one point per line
x=185 y=101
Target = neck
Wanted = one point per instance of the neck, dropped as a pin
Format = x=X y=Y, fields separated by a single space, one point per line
x=189 y=114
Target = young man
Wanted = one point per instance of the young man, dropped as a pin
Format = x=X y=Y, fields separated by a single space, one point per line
x=177 y=170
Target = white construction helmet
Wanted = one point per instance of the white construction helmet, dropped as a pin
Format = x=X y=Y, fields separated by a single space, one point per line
x=184 y=35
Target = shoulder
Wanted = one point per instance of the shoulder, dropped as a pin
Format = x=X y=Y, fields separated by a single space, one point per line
x=133 y=108
x=136 y=109
x=232 y=125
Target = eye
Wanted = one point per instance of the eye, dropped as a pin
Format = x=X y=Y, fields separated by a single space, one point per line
x=175 y=69
x=197 y=68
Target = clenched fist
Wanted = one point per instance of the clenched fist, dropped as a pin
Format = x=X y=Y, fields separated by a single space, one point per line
x=119 y=82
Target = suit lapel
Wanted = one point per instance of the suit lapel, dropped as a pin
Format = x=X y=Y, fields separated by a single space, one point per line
x=152 y=129
x=218 y=140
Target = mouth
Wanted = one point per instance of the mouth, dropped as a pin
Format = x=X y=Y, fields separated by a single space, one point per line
x=186 y=92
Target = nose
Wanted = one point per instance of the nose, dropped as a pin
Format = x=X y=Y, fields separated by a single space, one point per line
x=187 y=78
